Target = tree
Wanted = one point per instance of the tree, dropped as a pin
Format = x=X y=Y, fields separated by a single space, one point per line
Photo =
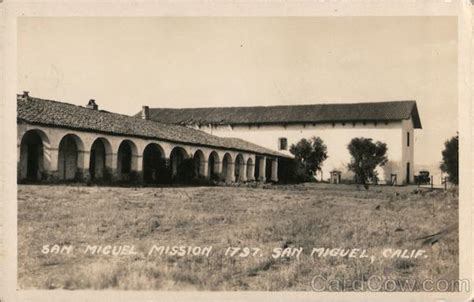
x=309 y=157
x=450 y=162
x=366 y=156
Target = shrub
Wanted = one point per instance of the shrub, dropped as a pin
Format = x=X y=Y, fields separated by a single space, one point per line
x=366 y=156
x=216 y=177
x=292 y=171
x=309 y=157
x=450 y=162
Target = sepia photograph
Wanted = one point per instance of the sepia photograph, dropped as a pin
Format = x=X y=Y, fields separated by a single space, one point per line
x=257 y=154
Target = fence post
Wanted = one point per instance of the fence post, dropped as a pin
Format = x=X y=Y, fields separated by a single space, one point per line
x=431 y=181
x=445 y=183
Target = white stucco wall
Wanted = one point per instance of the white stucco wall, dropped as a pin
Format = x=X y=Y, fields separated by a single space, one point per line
x=336 y=137
x=408 y=133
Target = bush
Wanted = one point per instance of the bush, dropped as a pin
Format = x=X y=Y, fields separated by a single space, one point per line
x=450 y=162
x=366 y=156
x=216 y=177
x=309 y=157
x=292 y=171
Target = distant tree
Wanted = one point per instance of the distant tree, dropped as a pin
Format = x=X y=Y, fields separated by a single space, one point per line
x=366 y=156
x=450 y=162
x=309 y=157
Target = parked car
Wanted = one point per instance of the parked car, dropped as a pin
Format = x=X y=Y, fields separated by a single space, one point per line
x=423 y=177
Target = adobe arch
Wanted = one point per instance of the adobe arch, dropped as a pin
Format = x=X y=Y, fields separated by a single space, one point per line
x=70 y=153
x=127 y=160
x=100 y=163
x=200 y=164
x=34 y=156
x=240 y=173
x=181 y=165
x=154 y=164
x=214 y=165
x=228 y=168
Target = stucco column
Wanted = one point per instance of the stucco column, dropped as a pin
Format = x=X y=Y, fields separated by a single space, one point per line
x=167 y=163
x=275 y=170
x=21 y=165
x=50 y=163
x=218 y=167
x=111 y=166
x=262 y=168
x=243 y=172
x=174 y=167
x=83 y=160
x=251 y=175
x=18 y=151
x=230 y=177
x=204 y=169
x=139 y=167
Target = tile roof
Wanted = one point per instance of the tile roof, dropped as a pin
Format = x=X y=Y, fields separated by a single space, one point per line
x=58 y=114
x=315 y=113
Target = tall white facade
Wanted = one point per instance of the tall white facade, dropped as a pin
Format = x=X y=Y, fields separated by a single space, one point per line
x=398 y=135
x=279 y=127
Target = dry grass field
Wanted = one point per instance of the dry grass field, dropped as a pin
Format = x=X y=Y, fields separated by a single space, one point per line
x=268 y=217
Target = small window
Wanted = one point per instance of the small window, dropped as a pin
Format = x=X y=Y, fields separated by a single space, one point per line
x=283 y=143
x=408 y=139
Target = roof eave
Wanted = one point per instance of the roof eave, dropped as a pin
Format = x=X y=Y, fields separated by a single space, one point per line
x=416 y=117
x=270 y=153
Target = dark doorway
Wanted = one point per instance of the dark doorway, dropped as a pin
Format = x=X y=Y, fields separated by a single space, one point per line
x=31 y=156
x=68 y=157
x=408 y=173
x=268 y=169
x=249 y=169
x=212 y=163
x=239 y=167
x=226 y=162
x=124 y=158
x=154 y=165
x=199 y=164
x=97 y=163
x=92 y=164
x=34 y=155
x=182 y=167
x=257 y=167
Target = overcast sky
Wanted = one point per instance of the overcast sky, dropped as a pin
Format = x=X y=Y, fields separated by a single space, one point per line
x=125 y=63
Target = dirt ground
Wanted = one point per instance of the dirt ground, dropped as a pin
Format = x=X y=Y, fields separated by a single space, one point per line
x=267 y=220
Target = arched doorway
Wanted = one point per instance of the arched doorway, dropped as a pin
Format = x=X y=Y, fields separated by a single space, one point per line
x=228 y=168
x=213 y=165
x=68 y=157
x=154 y=164
x=126 y=160
x=250 y=169
x=199 y=164
x=182 y=169
x=240 y=168
x=32 y=155
x=99 y=159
